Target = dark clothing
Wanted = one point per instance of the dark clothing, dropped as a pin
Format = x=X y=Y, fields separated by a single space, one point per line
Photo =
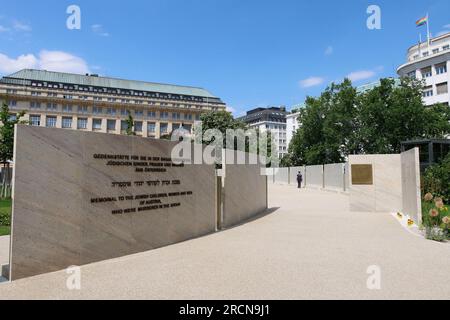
x=299 y=180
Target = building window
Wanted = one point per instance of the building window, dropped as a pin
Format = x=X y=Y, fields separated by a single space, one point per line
x=442 y=88
x=163 y=128
x=139 y=113
x=151 y=127
x=97 y=110
x=35 y=105
x=82 y=123
x=164 y=115
x=67 y=122
x=176 y=116
x=111 y=125
x=82 y=109
x=435 y=51
x=124 y=112
x=35 y=120
x=12 y=103
x=188 y=117
x=67 y=108
x=97 y=124
x=123 y=126
x=426 y=54
x=52 y=106
x=138 y=126
x=427 y=92
x=50 y=122
x=441 y=68
x=111 y=111
x=446 y=47
x=197 y=117
x=412 y=75
x=151 y=114
x=426 y=73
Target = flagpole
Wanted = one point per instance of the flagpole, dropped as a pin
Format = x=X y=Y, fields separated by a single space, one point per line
x=428 y=30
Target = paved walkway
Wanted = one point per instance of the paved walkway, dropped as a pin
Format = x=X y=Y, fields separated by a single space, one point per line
x=312 y=247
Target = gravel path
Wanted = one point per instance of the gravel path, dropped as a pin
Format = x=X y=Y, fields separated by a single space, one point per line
x=311 y=247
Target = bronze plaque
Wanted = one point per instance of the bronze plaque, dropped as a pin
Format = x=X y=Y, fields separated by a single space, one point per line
x=362 y=174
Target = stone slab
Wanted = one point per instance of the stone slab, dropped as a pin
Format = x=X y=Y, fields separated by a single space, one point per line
x=68 y=209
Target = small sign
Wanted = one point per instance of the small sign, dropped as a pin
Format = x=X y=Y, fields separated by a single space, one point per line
x=362 y=174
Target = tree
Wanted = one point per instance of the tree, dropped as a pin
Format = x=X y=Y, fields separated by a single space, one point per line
x=7 y=124
x=130 y=125
x=220 y=120
x=342 y=122
x=391 y=114
x=328 y=126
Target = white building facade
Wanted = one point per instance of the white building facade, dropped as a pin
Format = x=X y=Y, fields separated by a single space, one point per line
x=292 y=125
x=430 y=62
x=271 y=119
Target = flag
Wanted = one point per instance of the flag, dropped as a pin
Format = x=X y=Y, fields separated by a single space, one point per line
x=422 y=21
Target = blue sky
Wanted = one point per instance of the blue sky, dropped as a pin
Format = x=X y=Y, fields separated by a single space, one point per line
x=250 y=53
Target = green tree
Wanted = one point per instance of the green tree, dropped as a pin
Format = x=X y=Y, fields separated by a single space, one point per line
x=327 y=133
x=130 y=125
x=220 y=120
x=342 y=122
x=7 y=124
x=391 y=114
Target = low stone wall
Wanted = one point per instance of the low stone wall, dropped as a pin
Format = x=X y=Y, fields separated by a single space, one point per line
x=82 y=197
x=395 y=186
x=244 y=194
x=314 y=176
x=412 y=202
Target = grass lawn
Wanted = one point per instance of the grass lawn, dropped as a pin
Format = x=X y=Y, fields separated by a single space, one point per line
x=5 y=208
x=5 y=231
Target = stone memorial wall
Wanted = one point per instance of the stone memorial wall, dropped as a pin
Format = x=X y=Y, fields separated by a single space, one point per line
x=82 y=197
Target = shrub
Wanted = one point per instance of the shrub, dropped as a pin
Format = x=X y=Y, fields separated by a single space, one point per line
x=5 y=219
x=436 y=179
x=436 y=218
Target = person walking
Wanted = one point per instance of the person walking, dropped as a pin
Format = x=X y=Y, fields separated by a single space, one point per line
x=299 y=179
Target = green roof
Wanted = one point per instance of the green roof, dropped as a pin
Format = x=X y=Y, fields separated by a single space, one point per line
x=96 y=81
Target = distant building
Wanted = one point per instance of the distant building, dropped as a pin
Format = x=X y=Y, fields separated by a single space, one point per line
x=431 y=151
x=93 y=103
x=271 y=119
x=430 y=61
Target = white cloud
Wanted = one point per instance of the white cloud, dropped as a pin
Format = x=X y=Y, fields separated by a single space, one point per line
x=4 y=29
x=447 y=26
x=19 y=26
x=311 y=82
x=329 y=51
x=361 y=75
x=10 y=65
x=47 y=60
x=63 y=62
x=99 y=30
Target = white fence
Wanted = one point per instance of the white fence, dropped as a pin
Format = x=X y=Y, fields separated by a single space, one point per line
x=333 y=177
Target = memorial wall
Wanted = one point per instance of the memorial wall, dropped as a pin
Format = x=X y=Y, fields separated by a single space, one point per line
x=82 y=197
x=245 y=191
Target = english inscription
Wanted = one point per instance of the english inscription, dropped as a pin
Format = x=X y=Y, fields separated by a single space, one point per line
x=146 y=201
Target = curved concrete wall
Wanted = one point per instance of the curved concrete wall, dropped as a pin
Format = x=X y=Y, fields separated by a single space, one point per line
x=314 y=176
x=72 y=206
x=245 y=193
x=333 y=175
